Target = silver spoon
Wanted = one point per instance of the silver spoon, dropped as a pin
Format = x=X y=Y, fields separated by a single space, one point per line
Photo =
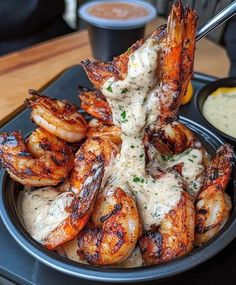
x=216 y=21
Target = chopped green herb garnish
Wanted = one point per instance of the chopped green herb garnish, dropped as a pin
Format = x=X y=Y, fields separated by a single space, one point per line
x=123 y=117
x=132 y=146
x=172 y=157
x=194 y=156
x=141 y=155
x=124 y=91
x=194 y=184
x=190 y=159
x=109 y=89
x=166 y=157
x=138 y=179
x=156 y=214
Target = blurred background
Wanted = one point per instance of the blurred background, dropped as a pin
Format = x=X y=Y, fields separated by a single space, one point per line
x=27 y=22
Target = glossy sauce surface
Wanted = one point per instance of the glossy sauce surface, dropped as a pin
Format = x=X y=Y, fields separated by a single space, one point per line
x=130 y=102
x=118 y=11
x=43 y=210
x=220 y=110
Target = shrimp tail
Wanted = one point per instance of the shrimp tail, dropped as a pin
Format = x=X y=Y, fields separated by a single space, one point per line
x=94 y=103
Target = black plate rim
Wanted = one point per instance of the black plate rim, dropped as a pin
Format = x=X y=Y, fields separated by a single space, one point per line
x=89 y=272
x=196 y=104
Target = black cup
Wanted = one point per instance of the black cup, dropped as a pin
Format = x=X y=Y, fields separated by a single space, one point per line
x=108 y=43
x=109 y=37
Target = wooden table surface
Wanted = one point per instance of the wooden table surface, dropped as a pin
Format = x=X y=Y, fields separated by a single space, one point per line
x=36 y=66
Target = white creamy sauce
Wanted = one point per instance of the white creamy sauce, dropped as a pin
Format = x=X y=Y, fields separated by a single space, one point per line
x=134 y=260
x=129 y=98
x=220 y=111
x=42 y=210
x=133 y=107
x=191 y=170
x=69 y=250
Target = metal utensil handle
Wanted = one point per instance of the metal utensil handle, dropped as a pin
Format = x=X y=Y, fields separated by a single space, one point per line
x=216 y=21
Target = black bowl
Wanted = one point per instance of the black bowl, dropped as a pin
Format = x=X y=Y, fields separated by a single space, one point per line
x=201 y=97
x=8 y=211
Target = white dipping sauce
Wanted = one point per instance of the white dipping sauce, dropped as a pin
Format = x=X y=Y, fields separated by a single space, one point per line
x=220 y=111
x=43 y=210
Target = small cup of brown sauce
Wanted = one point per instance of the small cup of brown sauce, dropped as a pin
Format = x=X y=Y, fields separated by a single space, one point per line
x=114 y=26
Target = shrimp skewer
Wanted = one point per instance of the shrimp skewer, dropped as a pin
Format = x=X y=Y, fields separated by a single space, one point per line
x=60 y=118
x=213 y=205
x=44 y=160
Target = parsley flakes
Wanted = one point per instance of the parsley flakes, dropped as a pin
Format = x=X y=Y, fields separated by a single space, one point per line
x=109 y=88
x=124 y=91
x=138 y=179
x=123 y=117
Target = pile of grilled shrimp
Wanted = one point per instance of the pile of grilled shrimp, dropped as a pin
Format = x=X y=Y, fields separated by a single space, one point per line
x=135 y=178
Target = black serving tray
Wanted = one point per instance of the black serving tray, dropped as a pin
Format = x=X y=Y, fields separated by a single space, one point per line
x=20 y=267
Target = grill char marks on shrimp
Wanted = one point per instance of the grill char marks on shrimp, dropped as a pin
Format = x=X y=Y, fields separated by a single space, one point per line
x=213 y=205
x=90 y=163
x=94 y=103
x=58 y=117
x=44 y=160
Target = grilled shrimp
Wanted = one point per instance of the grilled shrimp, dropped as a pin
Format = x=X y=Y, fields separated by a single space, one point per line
x=57 y=117
x=90 y=163
x=175 y=147
x=43 y=160
x=172 y=138
x=213 y=205
x=112 y=234
x=176 y=61
x=173 y=238
x=94 y=103
x=109 y=132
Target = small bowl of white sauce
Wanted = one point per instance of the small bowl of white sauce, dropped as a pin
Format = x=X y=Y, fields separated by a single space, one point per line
x=216 y=103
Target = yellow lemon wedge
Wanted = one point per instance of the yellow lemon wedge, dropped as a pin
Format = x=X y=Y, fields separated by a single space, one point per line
x=224 y=90
x=188 y=95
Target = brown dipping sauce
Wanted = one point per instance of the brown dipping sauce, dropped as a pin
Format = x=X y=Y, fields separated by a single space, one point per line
x=118 y=11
